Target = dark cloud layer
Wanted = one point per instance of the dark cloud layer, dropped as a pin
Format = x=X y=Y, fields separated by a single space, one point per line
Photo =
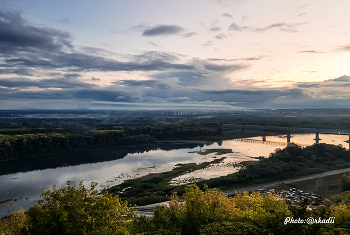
x=145 y=62
x=16 y=34
x=162 y=30
x=307 y=85
x=43 y=83
x=25 y=47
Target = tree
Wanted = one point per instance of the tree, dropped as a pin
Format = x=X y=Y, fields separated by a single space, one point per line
x=13 y=224
x=78 y=210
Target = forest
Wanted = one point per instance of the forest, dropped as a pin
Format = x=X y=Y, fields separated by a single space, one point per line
x=27 y=144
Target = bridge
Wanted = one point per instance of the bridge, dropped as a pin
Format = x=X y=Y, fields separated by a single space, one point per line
x=287 y=130
x=267 y=142
x=291 y=130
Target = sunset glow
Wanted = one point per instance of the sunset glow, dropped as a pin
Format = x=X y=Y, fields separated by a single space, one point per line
x=258 y=54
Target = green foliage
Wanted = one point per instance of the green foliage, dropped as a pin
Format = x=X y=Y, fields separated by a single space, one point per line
x=346 y=182
x=24 y=142
x=212 y=212
x=13 y=146
x=72 y=210
x=13 y=224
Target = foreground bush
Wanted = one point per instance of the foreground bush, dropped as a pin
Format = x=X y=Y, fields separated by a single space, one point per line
x=211 y=212
x=72 y=210
x=81 y=211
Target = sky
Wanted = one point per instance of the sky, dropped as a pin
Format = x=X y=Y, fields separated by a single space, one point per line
x=183 y=54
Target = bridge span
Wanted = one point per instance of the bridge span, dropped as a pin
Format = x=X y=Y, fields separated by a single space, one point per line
x=267 y=142
x=287 y=130
x=294 y=130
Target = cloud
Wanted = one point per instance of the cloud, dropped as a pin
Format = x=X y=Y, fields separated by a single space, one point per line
x=16 y=34
x=307 y=85
x=215 y=28
x=137 y=28
x=154 y=44
x=282 y=26
x=303 y=6
x=226 y=2
x=235 y=27
x=64 y=21
x=301 y=14
x=309 y=71
x=157 y=56
x=227 y=15
x=329 y=91
x=343 y=48
x=17 y=71
x=255 y=98
x=207 y=43
x=340 y=79
x=221 y=36
x=95 y=79
x=221 y=68
x=162 y=30
x=310 y=51
x=98 y=51
x=20 y=82
x=84 y=62
x=182 y=78
x=189 y=34
x=238 y=59
x=143 y=83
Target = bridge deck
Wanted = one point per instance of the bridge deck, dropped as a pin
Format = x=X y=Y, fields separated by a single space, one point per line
x=267 y=142
x=284 y=129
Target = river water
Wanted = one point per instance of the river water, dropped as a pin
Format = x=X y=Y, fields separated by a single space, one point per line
x=24 y=188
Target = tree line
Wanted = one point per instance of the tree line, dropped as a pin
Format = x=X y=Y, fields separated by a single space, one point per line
x=29 y=144
x=13 y=146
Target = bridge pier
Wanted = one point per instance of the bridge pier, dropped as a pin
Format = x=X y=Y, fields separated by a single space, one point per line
x=288 y=138
x=348 y=141
x=264 y=135
x=317 y=139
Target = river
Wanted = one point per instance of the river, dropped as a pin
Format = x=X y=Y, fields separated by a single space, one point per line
x=24 y=186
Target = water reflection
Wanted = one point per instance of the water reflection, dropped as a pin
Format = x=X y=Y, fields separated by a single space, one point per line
x=115 y=169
